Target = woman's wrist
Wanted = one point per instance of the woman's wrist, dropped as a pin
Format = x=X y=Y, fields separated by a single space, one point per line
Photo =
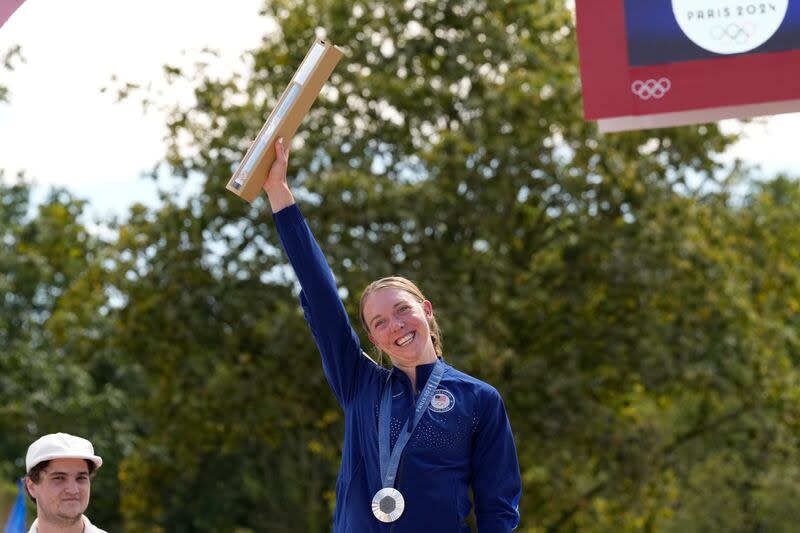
x=280 y=197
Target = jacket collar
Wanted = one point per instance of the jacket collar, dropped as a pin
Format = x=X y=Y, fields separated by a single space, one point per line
x=423 y=373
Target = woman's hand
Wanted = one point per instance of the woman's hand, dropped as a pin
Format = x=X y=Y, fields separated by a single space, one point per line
x=276 y=186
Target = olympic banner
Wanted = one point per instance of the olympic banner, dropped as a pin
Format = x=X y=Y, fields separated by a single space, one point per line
x=659 y=63
x=7 y=8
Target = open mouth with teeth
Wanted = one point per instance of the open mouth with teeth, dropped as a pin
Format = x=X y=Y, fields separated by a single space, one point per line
x=405 y=340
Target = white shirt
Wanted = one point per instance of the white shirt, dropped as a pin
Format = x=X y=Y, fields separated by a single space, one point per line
x=88 y=527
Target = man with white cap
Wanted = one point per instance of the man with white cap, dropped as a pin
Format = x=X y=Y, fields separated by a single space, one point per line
x=60 y=468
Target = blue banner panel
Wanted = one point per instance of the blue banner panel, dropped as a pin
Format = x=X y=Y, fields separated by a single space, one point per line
x=673 y=31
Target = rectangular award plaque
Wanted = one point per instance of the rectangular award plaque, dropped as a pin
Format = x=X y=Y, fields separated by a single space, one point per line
x=284 y=120
x=659 y=63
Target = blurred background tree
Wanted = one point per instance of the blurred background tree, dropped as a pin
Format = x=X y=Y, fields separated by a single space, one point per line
x=633 y=300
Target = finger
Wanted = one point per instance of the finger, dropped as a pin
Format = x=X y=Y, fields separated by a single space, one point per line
x=281 y=150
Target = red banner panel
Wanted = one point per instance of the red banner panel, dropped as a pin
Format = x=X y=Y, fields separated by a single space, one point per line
x=7 y=8
x=659 y=63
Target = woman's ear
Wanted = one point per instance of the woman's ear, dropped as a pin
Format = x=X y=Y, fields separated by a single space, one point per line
x=428 y=308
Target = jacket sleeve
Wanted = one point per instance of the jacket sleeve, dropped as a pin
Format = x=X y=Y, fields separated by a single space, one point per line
x=496 y=481
x=342 y=358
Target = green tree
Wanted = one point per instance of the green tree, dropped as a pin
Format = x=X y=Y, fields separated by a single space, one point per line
x=9 y=57
x=639 y=318
x=582 y=274
x=47 y=384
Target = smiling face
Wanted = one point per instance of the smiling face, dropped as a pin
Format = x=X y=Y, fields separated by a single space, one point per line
x=62 y=492
x=398 y=323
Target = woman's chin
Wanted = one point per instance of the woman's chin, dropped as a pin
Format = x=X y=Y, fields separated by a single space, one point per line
x=407 y=357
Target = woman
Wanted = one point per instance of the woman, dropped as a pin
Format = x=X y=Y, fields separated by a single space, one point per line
x=416 y=437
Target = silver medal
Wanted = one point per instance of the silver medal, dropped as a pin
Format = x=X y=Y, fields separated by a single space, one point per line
x=388 y=504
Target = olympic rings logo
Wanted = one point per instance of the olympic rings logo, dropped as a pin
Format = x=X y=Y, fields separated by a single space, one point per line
x=733 y=32
x=651 y=88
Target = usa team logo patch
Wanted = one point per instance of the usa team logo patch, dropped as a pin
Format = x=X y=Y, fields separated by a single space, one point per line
x=442 y=401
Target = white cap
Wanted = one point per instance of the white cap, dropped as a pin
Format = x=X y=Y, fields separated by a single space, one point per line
x=60 y=446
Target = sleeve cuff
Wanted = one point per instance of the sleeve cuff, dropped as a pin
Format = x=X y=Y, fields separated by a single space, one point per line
x=290 y=212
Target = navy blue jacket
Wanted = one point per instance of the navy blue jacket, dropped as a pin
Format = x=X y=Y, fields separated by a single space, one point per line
x=464 y=439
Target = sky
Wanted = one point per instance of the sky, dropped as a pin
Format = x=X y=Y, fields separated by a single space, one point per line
x=62 y=130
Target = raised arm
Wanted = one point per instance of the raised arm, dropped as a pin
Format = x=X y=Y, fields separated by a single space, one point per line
x=342 y=358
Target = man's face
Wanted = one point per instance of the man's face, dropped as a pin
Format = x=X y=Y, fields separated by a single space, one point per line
x=62 y=493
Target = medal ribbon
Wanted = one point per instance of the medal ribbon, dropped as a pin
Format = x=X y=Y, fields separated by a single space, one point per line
x=390 y=462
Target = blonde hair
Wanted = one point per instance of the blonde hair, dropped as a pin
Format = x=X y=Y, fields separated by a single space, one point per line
x=399 y=282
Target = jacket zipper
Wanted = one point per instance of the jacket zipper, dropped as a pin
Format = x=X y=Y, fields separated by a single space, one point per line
x=406 y=427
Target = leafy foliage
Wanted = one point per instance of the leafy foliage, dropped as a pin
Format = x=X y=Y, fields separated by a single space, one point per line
x=639 y=318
